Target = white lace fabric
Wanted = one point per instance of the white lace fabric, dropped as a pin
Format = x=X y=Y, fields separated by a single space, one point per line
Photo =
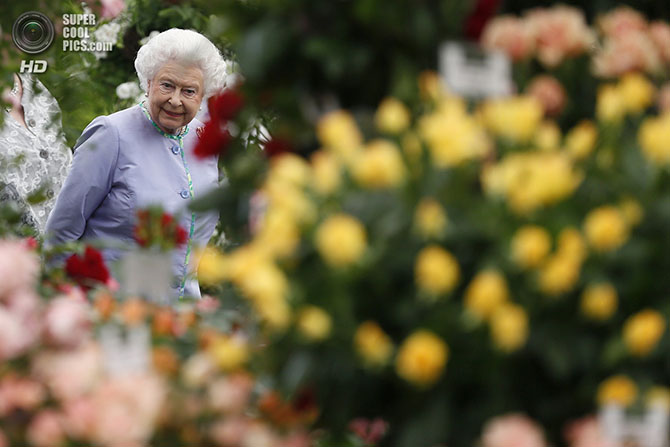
x=35 y=158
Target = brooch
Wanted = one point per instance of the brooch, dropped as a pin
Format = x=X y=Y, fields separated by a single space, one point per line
x=199 y=131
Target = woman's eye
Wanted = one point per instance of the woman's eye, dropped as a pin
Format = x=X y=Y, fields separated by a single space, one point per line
x=166 y=85
x=189 y=92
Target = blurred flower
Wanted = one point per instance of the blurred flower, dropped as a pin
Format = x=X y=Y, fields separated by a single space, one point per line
x=529 y=180
x=112 y=8
x=658 y=396
x=133 y=311
x=69 y=374
x=379 y=165
x=663 y=98
x=599 y=301
x=46 y=430
x=67 y=322
x=20 y=325
x=486 y=292
x=510 y=35
x=87 y=270
x=340 y=240
x=278 y=234
x=452 y=136
x=642 y=331
x=338 y=131
x=277 y=146
x=229 y=431
x=586 y=432
x=229 y=352
x=637 y=92
x=372 y=344
x=621 y=21
x=659 y=32
x=610 y=103
x=164 y=360
x=431 y=87
x=289 y=168
x=19 y=267
x=212 y=266
x=632 y=51
x=571 y=244
x=618 y=390
x=20 y=393
x=547 y=136
x=509 y=327
x=151 y=35
x=421 y=358
x=230 y=394
x=392 y=116
x=654 y=139
x=549 y=92
x=512 y=430
x=314 y=323
x=559 y=274
x=430 y=219
x=513 y=118
x=605 y=228
x=128 y=90
x=436 y=271
x=326 y=172
x=213 y=139
x=198 y=370
x=369 y=431
x=4 y=442
x=632 y=211
x=581 y=139
x=530 y=245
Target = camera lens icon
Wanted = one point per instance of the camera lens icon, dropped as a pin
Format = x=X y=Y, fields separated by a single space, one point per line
x=32 y=32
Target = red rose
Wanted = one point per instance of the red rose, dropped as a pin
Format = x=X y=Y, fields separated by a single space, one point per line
x=277 y=146
x=225 y=106
x=212 y=141
x=180 y=237
x=88 y=269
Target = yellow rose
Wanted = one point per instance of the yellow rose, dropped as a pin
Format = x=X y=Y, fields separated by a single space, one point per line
x=610 y=104
x=340 y=240
x=372 y=344
x=654 y=139
x=274 y=311
x=618 y=390
x=421 y=358
x=513 y=118
x=487 y=291
x=392 y=116
x=262 y=281
x=632 y=211
x=314 y=323
x=599 y=301
x=637 y=92
x=530 y=245
x=338 y=131
x=431 y=87
x=411 y=146
x=642 y=331
x=509 y=327
x=605 y=228
x=571 y=244
x=547 y=136
x=326 y=172
x=559 y=274
x=436 y=271
x=229 y=353
x=379 y=165
x=212 y=266
x=290 y=168
x=278 y=234
x=430 y=219
x=581 y=140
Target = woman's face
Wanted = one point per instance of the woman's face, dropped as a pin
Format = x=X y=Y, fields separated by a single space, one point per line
x=175 y=94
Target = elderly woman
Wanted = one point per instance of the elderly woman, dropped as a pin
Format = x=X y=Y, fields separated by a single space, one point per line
x=143 y=156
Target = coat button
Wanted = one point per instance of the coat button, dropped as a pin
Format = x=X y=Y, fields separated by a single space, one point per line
x=31 y=122
x=184 y=194
x=50 y=193
x=44 y=154
x=175 y=150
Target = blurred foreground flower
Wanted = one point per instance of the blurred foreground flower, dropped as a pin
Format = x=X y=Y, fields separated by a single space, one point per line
x=512 y=430
x=619 y=389
x=421 y=358
x=642 y=331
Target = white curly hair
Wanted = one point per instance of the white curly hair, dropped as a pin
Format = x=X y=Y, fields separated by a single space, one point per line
x=187 y=47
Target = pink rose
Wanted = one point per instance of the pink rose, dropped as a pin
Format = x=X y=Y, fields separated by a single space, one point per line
x=18 y=333
x=112 y=8
x=370 y=431
x=230 y=394
x=229 y=431
x=585 y=432
x=67 y=321
x=620 y=21
x=512 y=430
x=19 y=267
x=549 y=92
x=207 y=304
x=69 y=375
x=620 y=55
x=46 y=430
x=510 y=35
x=560 y=32
x=78 y=418
x=660 y=35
